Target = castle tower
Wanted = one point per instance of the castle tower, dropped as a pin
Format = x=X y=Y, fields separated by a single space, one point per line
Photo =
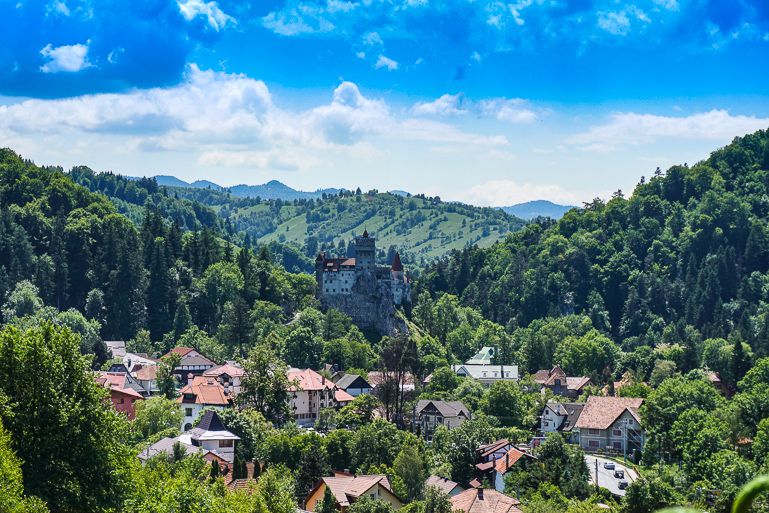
x=365 y=252
x=396 y=271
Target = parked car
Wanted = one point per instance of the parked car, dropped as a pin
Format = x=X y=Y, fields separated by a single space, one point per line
x=619 y=474
x=609 y=465
x=622 y=484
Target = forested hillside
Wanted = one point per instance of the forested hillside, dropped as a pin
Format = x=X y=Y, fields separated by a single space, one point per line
x=74 y=250
x=683 y=259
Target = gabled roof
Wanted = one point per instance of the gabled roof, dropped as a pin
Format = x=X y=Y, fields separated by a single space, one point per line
x=488 y=449
x=549 y=377
x=181 y=351
x=199 y=360
x=571 y=411
x=117 y=382
x=116 y=348
x=348 y=488
x=504 y=462
x=206 y=391
x=492 y=371
x=445 y=408
x=308 y=379
x=480 y=500
x=601 y=412
x=147 y=373
x=231 y=369
x=341 y=396
x=348 y=380
x=211 y=427
x=482 y=357
x=443 y=484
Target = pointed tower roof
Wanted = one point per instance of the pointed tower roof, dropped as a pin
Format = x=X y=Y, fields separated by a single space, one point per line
x=365 y=233
x=397 y=265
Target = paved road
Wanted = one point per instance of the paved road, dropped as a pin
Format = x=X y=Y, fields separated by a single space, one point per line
x=606 y=477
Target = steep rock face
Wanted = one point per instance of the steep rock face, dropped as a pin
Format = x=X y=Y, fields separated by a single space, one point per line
x=369 y=304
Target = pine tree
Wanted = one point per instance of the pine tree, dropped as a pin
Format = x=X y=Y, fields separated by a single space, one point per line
x=328 y=504
x=182 y=319
x=215 y=470
x=158 y=291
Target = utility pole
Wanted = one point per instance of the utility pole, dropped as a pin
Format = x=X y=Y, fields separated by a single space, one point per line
x=596 y=474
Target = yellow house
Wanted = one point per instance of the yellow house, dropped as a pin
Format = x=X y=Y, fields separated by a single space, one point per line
x=348 y=488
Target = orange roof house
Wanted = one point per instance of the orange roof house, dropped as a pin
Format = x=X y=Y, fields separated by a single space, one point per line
x=611 y=423
x=311 y=392
x=479 y=500
x=347 y=488
x=122 y=395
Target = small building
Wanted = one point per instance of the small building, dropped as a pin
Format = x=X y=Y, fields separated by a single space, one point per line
x=312 y=393
x=480 y=500
x=347 y=488
x=199 y=394
x=429 y=414
x=192 y=362
x=211 y=435
x=487 y=374
x=559 y=383
x=229 y=375
x=560 y=417
x=147 y=377
x=445 y=485
x=122 y=393
x=353 y=384
x=116 y=348
x=482 y=357
x=611 y=424
x=497 y=459
x=165 y=447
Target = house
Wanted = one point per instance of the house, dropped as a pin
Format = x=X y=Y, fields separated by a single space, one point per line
x=353 y=384
x=199 y=394
x=445 y=485
x=192 y=362
x=479 y=500
x=556 y=380
x=497 y=459
x=122 y=391
x=429 y=414
x=209 y=438
x=347 y=488
x=482 y=357
x=718 y=384
x=487 y=374
x=560 y=417
x=116 y=348
x=147 y=377
x=211 y=435
x=610 y=423
x=229 y=375
x=311 y=393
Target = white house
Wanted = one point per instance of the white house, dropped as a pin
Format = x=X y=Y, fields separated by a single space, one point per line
x=229 y=375
x=487 y=374
x=211 y=435
x=199 y=394
x=560 y=417
x=429 y=414
x=312 y=392
x=354 y=385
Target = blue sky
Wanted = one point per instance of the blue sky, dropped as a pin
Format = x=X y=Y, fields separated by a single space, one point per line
x=489 y=102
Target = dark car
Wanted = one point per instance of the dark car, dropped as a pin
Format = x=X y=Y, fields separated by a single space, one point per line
x=619 y=474
x=622 y=484
x=609 y=465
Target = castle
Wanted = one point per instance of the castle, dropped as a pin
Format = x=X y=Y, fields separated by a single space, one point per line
x=368 y=293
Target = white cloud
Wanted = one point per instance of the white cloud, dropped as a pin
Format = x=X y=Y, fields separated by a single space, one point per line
x=629 y=128
x=215 y=17
x=229 y=120
x=386 y=62
x=616 y=23
x=515 y=110
x=502 y=193
x=446 y=105
x=66 y=58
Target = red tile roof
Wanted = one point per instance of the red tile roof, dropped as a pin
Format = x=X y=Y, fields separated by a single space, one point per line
x=181 y=351
x=116 y=382
x=148 y=373
x=443 y=484
x=308 y=379
x=482 y=500
x=348 y=488
x=601 y=412
x=342 y=397
x=206 y=391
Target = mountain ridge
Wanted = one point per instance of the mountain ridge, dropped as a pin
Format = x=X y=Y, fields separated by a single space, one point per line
x=537 y=208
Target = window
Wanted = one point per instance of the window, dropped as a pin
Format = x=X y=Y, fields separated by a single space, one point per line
x=225 y=443
x=122 y=400
x=593 y=444
x=593 y=431
x=617 y=445
x=188 y=412
x=617 y=432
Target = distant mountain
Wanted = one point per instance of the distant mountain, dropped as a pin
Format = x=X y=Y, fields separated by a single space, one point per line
x=537 y=208
x=270 y=191
x=277 y=190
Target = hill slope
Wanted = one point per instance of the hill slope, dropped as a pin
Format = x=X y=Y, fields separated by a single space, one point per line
x=537 y=208
x=683 y=259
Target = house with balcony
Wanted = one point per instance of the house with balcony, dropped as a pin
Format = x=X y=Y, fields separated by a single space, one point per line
x=199 y=394
x=560 y=417
x=310 y=392
x=611 y=424
x=429 y=414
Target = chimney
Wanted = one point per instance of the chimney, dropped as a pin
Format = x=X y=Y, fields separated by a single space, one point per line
x=189 y=378
x=480 y=493
x=323 y=380
x=507 y=460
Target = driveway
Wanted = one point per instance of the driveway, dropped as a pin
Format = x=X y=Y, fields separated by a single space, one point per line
x=606 y=477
